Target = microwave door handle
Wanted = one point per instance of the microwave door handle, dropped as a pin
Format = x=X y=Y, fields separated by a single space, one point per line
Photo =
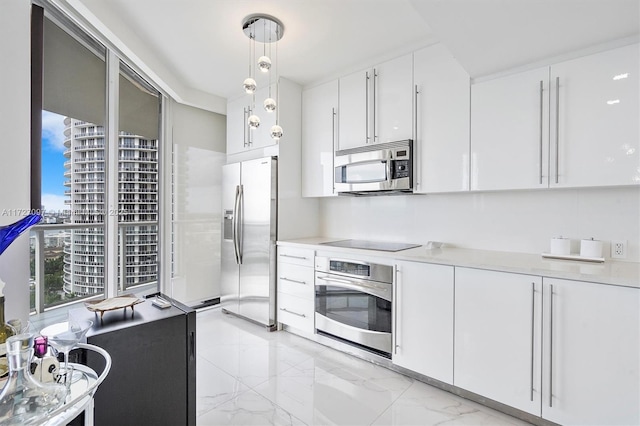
x=369 y=289
x=389 y=169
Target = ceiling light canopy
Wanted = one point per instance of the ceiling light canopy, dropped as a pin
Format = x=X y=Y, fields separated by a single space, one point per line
x=267 y=30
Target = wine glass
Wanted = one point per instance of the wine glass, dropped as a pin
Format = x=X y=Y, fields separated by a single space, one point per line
x=63 y=336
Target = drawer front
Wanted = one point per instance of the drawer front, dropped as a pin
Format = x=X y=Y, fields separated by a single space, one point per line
x=296 y=256
x=296 y=312
x=296 y=280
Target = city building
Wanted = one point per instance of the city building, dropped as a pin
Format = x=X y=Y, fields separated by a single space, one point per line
x=137 y=208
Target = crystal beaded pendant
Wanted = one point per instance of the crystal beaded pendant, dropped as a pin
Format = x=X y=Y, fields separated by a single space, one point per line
x=269 y=105
x=249 y=85
x=264 y=63
x=276 y=132
x=253 y=121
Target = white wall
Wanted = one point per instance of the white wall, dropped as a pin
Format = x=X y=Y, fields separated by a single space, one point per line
x=15 y=119
x=519 y=221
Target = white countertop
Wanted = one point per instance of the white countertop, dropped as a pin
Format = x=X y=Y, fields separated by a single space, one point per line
x=609 y=272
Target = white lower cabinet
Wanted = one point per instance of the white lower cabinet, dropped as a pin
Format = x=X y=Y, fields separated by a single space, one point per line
x=423 y=328
x=591 y=370
x=567 y=351
x=497 y=336
x=296 y=292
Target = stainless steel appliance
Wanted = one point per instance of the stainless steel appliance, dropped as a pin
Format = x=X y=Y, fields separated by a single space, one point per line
x=371 y=245
x=249 y=203
x=354 y=303
x=380 y=169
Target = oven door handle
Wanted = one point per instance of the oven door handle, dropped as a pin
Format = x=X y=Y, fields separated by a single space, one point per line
x=373 y=290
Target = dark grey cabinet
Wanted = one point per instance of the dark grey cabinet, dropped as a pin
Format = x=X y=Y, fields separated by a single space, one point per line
x=153 y=373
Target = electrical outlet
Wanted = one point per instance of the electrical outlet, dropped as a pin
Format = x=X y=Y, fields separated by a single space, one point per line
x=618 y=249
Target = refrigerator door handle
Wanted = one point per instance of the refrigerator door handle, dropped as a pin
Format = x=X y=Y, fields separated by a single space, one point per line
x=240 y=221
x=234 y=225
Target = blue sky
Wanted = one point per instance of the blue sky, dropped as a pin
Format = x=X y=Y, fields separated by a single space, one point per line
x=53 y=161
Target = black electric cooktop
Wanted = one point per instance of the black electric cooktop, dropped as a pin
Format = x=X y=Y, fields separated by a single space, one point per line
x=371 y=245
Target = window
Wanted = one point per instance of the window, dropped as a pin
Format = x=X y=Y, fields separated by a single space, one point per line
x=75 y=185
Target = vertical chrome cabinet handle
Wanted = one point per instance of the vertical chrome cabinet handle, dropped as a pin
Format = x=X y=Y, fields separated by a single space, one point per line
x=375 y=133
x=557 y=126
x=415 y=139
x=551 y=346
x=366 y=109
x=541 y=131
x=244 y=127
x=333 y=142
x=394 y=306
x=533 y=321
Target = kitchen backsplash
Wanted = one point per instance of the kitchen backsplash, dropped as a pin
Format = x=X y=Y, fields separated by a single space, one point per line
x=518 y=221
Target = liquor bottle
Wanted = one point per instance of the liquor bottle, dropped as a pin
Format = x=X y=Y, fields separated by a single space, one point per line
x=5 y=333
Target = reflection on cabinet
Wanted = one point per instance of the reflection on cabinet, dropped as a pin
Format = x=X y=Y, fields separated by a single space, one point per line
x=296 y=291
x=497 y=336
x=424 y=319
x=595 y=137
x=572 y=124
x=442 y=111
x=319 y=130
x=591 y=371
x=376 y=105
x=509 y=132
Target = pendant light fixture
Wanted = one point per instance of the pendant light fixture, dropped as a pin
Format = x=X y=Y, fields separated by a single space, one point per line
x=263 y=29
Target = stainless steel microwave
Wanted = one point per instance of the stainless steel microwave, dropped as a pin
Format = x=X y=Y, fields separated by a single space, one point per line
x=380 y=169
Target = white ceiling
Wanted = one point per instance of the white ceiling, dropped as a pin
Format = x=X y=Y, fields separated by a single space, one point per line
x=201 y=44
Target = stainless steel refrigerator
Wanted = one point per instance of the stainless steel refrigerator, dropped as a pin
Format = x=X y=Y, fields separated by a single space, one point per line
x=249 y=204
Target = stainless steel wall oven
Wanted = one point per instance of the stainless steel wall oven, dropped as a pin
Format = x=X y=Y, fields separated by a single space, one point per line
x=354 y=303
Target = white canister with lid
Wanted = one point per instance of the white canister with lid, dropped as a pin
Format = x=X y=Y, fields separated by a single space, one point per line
x=560 y=246
x=591 y=248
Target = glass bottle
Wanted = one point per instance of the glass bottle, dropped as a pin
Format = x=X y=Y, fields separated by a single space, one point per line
x=23 y=400
x=5 y=333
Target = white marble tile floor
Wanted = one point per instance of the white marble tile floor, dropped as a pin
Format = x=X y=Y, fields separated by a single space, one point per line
x=249 y=376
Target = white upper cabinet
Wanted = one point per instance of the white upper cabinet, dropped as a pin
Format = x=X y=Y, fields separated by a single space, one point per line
x=238 y=135
x=393 y=100
x=376 y=104
x=442 y=111
x=595 y=136
x=262 y=135
x=319 y=132
x=509 y=132
x=353 y=112
x=572 y=124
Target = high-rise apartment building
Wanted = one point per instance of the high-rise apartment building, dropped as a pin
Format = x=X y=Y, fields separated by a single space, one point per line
x=137 y=209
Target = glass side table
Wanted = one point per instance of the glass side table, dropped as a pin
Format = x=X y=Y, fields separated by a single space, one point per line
x=80 y=397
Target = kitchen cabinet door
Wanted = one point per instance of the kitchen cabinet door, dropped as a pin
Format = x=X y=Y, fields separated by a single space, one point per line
x=262 y=135
x=595 y=137
x=423 y=315
x=592 y=361
x=353 y=110
x=497 y=336
x=443 y=107
x=393 y=100
x=509 y=132
x=319 y=128
x=238 y=137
